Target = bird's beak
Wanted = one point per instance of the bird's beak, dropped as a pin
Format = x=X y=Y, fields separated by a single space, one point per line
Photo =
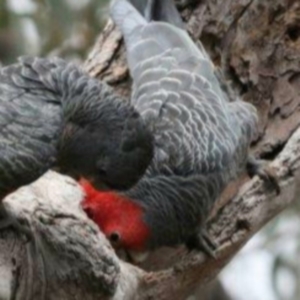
x=138 y=257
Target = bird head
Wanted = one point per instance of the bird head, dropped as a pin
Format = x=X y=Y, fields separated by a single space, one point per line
x=112 y=151
x=119 y=218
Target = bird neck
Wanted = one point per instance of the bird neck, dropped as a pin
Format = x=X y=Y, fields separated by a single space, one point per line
x=175 y=205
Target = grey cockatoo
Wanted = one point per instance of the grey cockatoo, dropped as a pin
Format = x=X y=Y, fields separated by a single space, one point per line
x=52 y=114
x=201 y=139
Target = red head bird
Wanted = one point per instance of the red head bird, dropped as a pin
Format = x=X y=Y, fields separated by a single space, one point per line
x=201 y=139
x=119 y=218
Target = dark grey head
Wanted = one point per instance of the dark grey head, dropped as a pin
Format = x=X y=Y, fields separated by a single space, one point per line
x=112 y=151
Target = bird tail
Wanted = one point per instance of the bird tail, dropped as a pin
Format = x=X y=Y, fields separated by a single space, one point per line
x=150 y=10
x=145 y=39
x=127 y=18
x=158 y=10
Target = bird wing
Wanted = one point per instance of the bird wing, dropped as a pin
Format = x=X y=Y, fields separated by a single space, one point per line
x=30 y=122
x=175 y=84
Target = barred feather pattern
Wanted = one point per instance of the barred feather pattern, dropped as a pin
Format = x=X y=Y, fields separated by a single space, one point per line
x=201 y=139
x=27 y=149
x=52 y=113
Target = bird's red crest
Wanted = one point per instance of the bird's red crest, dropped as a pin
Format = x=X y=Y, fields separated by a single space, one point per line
x=116 y=215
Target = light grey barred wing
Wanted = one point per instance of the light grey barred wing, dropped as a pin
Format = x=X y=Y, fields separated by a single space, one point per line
x=192 y=124
x=244 y=115
x=175 y=86
x=30 y=123
x=146 y=40
x=176 y=80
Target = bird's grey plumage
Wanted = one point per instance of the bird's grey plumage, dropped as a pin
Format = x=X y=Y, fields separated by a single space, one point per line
x=201 y=140
x=27 y=150
x=53 y=114
x=154 y=10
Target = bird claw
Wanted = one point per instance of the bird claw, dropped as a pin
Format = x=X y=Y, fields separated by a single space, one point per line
x=202 y=241
x=266 y=173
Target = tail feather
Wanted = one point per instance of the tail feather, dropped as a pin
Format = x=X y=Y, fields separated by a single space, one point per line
x=148 y=40
x=127 y=18
x=159 y=10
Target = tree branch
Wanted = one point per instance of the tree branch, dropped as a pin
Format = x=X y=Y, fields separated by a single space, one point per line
x=78 y=261
x=232 y=227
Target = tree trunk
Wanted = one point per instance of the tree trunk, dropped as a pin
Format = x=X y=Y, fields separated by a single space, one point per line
x=256 y=43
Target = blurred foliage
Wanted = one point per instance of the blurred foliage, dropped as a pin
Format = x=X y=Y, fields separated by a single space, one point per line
x=268 y=268
x=66 y=28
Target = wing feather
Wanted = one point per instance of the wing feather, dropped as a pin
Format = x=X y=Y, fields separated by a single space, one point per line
x=31 y=122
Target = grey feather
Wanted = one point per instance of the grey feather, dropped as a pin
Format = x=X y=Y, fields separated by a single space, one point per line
x=201 y=139
x=53 y=114
x=154 y=10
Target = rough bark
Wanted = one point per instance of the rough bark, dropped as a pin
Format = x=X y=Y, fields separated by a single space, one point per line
x=257 y=45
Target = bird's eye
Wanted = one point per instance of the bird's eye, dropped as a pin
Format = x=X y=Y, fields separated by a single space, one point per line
x=114 y=237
